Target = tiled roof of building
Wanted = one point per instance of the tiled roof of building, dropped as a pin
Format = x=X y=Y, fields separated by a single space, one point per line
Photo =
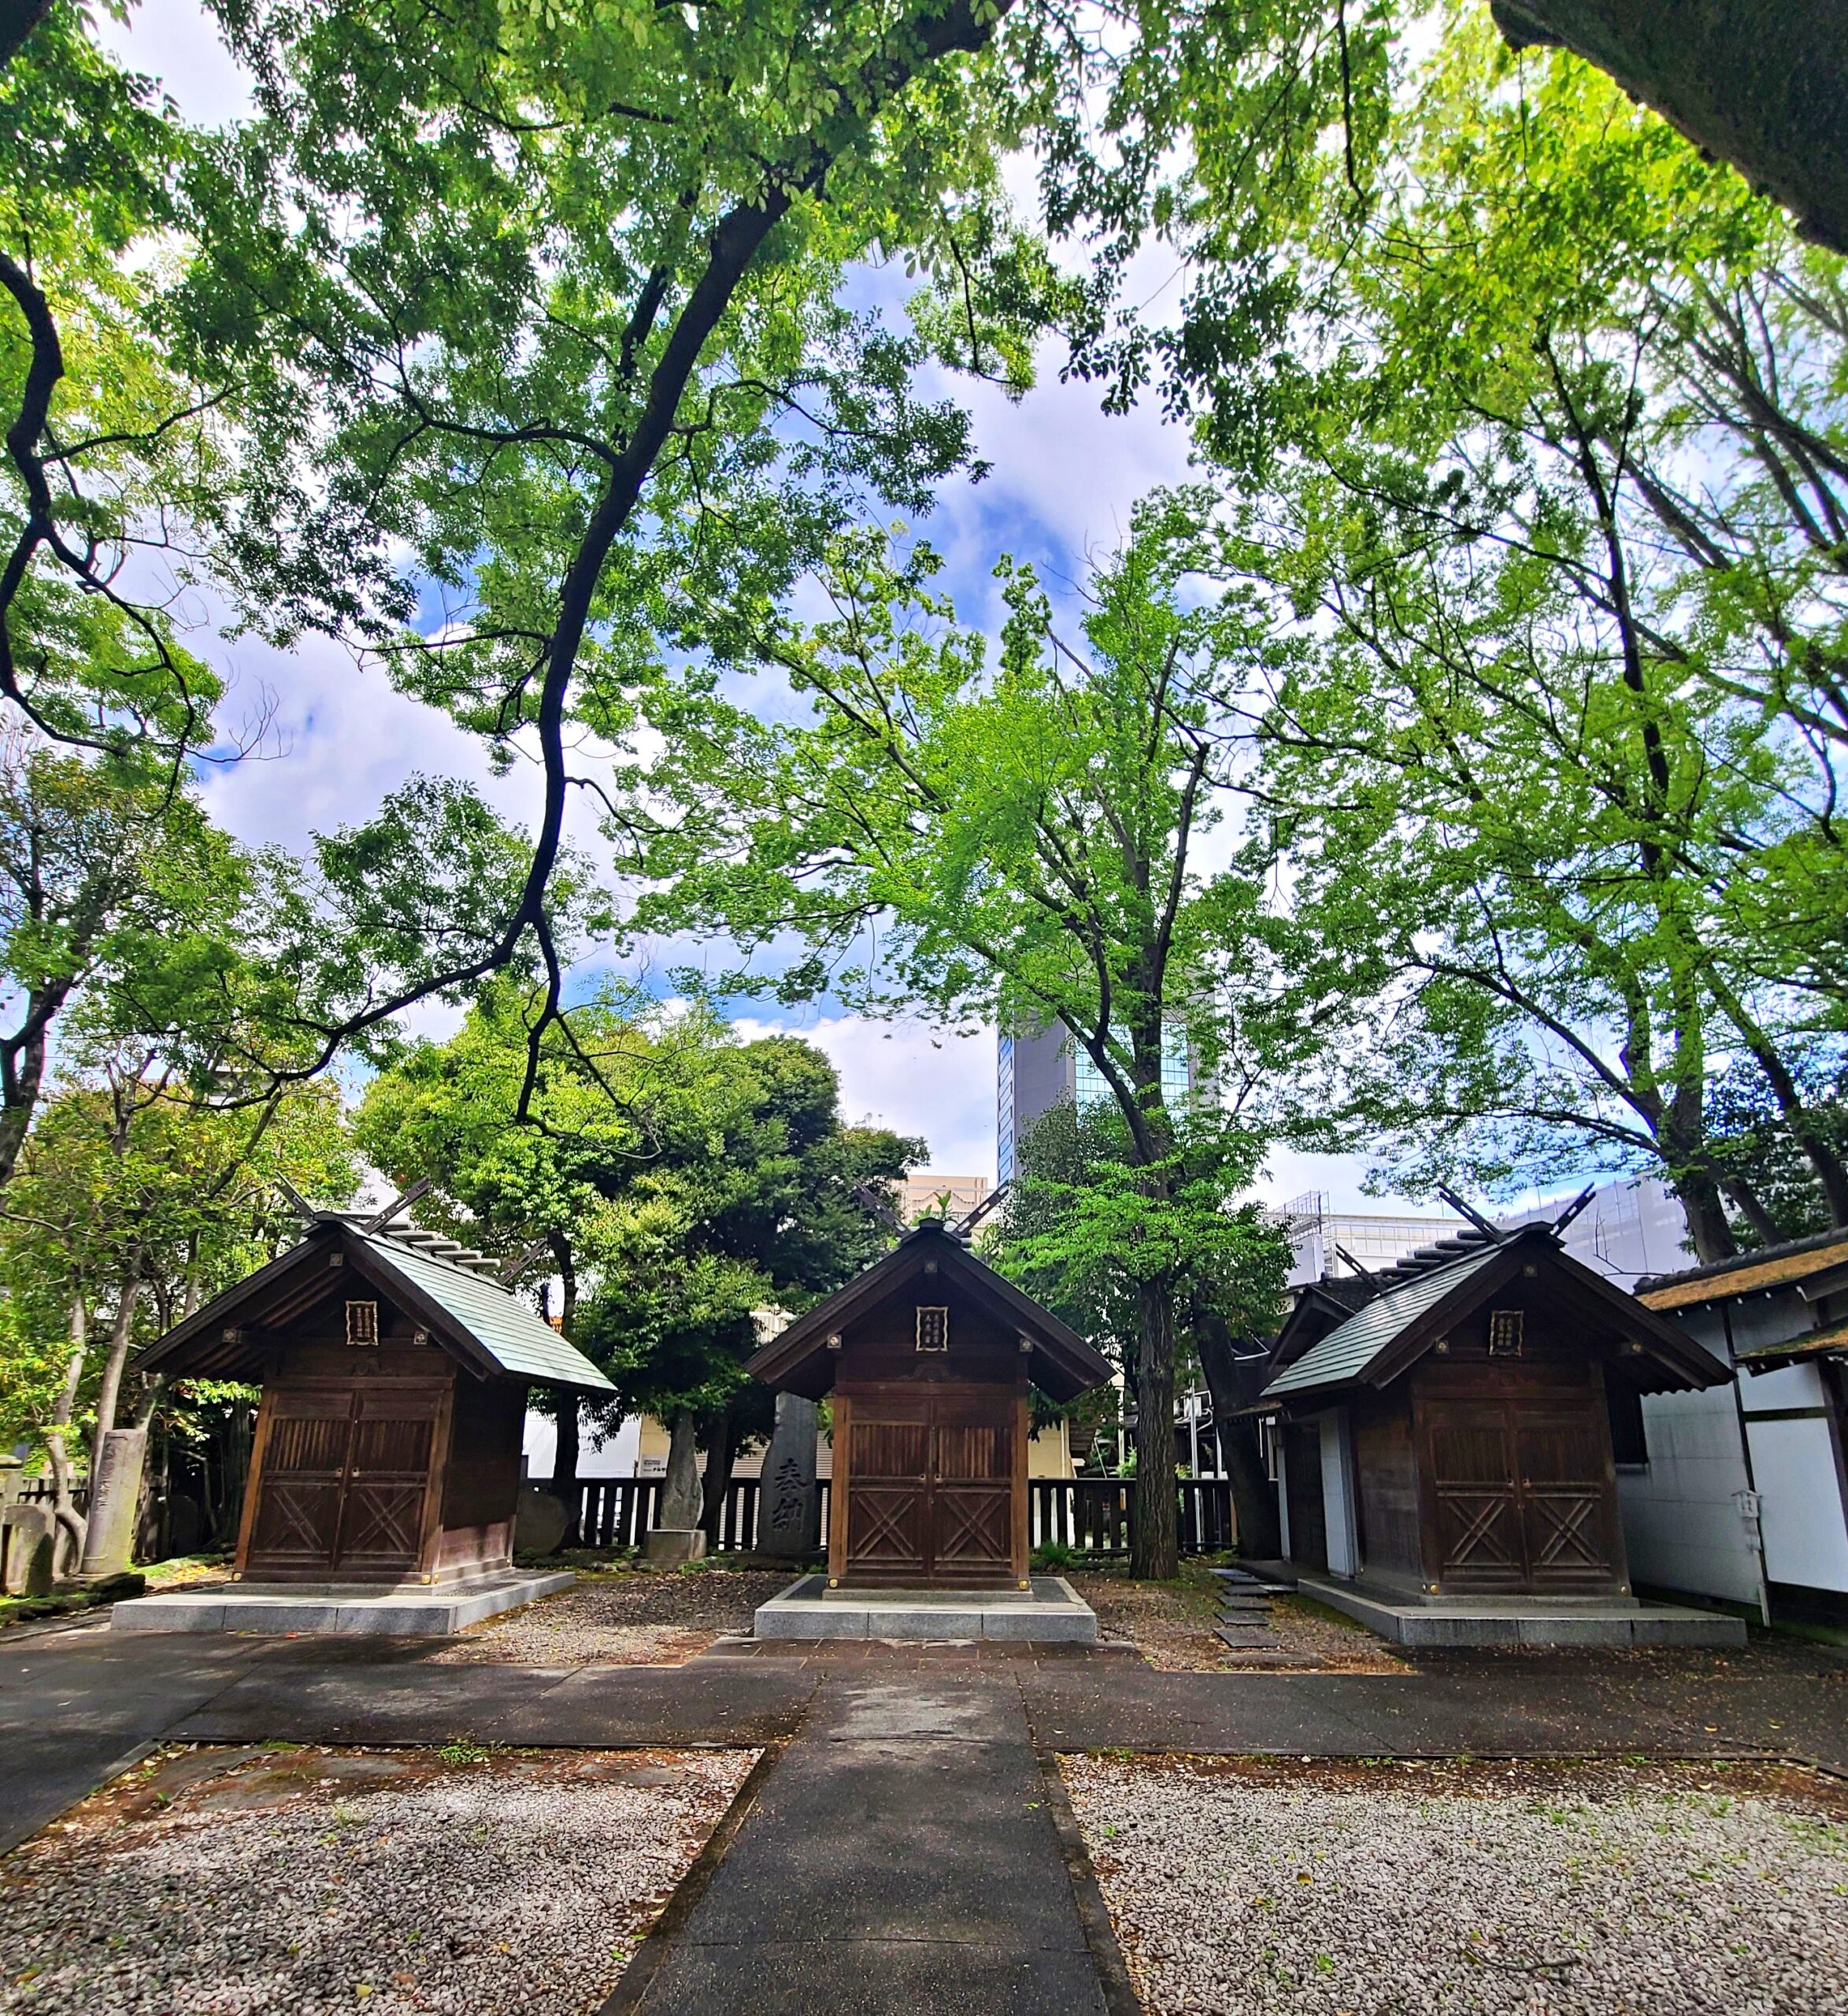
x=1346 y=1353
x=1771 y=1267
x=506 y=1325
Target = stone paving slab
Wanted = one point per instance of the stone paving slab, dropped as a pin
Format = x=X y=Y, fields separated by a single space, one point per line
x=901 y=1860
x=871 y=1977
x=588 y=1707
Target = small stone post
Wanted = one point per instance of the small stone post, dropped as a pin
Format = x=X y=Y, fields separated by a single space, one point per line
x=675 y=1537
x=789 y=1512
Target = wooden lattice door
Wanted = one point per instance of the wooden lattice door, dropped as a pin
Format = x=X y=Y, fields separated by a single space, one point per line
x=972 y=1498
x=888 y=1498
x=1469 y=1465
x=300 y=1480
x=343 y=1481
x=1521 y=1495
x=1567 y=1517
x=930 y=1489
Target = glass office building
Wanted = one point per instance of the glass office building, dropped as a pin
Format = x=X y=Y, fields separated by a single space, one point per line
x=1034 y=1072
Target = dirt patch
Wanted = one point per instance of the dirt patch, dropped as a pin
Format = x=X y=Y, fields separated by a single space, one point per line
x=1171 y=1624
x=623 y=1618
x=1596 y=1889
x=457 y=1879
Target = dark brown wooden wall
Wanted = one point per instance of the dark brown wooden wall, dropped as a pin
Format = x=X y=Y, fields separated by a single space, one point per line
x=1385 y=1484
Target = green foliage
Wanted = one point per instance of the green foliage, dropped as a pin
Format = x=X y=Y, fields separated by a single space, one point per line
x=679 y=1179
x=1560 y=511
x=1082 y=1226
x=1024 y=843
x=128 y=1191
x=113 y=453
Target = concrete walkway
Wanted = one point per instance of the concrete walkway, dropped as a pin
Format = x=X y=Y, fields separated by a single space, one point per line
x=902 y=1859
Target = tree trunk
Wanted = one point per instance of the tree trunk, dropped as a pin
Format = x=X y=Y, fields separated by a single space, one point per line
x=68 y=1543
x=1699 y=1198
x=719 y=1454
x=568 y=1453
x=1154 y=1552
x=568 y=1450
x=1234 y=1382
x=1760 y=88
x=109 y=1392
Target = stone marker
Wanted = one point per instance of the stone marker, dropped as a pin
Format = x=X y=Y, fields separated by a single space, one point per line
x=540 y=1521
x=789 y=1511
x=115 y=1493
x=28 y=1531
x=675 y=1537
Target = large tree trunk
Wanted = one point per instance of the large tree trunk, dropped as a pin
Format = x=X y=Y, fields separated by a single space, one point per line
x=1763 y=88
x=1154 y=1552
x=1234 y=1381
x=568 y=1449
x=1699 y=1198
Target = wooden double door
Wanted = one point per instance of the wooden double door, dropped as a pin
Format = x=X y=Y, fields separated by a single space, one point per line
x=1520 y=1497
x=342 y=1481
x=935 y=1483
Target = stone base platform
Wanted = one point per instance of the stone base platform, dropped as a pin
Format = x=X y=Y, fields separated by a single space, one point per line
x=1052 y=1612
x=398 y=1610
x=1619 y=1621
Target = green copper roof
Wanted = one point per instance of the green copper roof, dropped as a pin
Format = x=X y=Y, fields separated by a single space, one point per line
x=1346 y=1353
x=513 y=1333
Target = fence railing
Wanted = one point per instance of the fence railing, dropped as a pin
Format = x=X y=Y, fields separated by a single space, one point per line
x=1089 y=1515
x=42 y=1491
x=1096 y=1515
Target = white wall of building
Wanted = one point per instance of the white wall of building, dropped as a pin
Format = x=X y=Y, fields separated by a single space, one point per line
x=613 y=1458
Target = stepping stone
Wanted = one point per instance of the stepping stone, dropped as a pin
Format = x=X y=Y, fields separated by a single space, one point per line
x=1248 y=1641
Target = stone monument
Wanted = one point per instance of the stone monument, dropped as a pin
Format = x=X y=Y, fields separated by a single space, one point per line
x=675 y=1537
x=115 y=1493
x=789 y=1511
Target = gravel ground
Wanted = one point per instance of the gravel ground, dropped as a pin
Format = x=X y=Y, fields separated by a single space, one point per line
x=319 y=1881
x=624 y=1618
x=1171 y=1625
x=1420 y=1890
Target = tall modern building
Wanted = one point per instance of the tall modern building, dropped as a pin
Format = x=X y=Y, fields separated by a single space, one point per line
x=1034 y=1072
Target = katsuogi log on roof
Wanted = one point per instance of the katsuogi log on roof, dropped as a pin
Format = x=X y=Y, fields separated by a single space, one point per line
x=394 y=1369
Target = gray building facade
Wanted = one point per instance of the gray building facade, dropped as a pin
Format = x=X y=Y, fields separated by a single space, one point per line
x=1035 y=1070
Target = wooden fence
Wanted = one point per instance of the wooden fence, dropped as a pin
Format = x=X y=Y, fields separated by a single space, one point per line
x=1089 y=1515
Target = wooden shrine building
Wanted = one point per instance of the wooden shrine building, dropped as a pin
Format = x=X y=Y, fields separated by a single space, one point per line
x=1447 y=1429
x=928 y=1358
x=394 y=1369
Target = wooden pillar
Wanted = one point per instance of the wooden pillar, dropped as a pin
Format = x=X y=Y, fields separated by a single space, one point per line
x=837 y=1491
x=1023 y=1430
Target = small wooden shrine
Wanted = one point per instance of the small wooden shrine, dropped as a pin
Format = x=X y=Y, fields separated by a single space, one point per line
x=928 y=1358
x=394 y=1369
x=1446 y=1429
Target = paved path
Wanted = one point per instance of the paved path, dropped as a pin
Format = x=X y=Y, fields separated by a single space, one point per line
x=902 y=1859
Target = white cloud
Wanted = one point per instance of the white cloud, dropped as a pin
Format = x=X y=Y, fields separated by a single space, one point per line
x=178 y=42
x=912 y=1078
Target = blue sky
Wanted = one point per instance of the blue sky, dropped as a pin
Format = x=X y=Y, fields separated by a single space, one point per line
x=1065 y=477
